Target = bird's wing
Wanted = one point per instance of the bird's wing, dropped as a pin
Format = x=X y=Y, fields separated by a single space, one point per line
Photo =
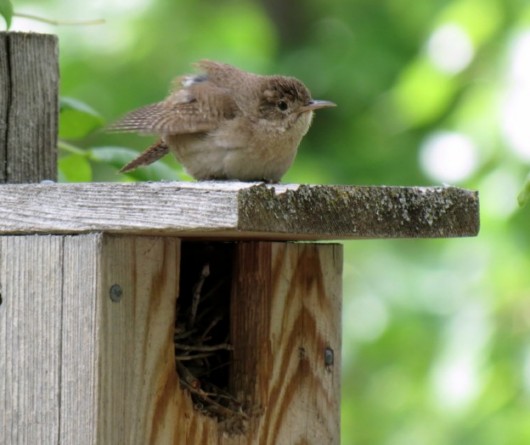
x=224 y=75
x=196 y=108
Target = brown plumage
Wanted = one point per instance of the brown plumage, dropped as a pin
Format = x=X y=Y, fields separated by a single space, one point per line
x=156 y=151
x=227 y=124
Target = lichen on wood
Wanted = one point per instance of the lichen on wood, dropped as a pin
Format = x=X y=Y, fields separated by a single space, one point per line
x=362 y=212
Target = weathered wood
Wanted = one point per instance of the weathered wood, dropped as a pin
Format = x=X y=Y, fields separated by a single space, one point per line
x=29 y=84
x=81 y=334
x=76 y=366
x=235 y=210
x=137 y=382
x=86 y=340
x=4 y=102
x=30 y=339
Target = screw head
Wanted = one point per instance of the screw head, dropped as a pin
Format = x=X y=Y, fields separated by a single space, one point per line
x=329 y=356
x=115 y=293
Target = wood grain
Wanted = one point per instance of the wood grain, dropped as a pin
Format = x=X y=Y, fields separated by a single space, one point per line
x=286 y=313
x=138 y=384
x=4 y=104
x=80 y=336
x=235 y=210
x=29 y=107
x=81 y=367
x=30 y=339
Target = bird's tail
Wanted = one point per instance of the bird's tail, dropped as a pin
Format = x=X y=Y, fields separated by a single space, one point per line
x=152 y=154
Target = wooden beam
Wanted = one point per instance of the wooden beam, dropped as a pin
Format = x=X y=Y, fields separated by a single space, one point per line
x=29 y=87
x=236 y=210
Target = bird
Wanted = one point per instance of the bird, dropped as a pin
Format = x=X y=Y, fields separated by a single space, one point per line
x=226 y=124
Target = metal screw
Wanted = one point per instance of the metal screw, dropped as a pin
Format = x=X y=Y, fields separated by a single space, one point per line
x=115 y=293
x=329 y=356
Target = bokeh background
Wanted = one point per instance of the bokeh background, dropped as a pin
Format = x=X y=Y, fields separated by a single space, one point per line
x=436 y=332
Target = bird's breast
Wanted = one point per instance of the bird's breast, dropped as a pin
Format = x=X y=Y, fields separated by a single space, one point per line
x=240 y=149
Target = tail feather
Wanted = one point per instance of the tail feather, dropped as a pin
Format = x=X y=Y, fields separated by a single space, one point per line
x=152 y=154
x=141 y=120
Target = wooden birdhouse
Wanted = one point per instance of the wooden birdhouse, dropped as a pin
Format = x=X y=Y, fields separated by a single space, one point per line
x=174 y=313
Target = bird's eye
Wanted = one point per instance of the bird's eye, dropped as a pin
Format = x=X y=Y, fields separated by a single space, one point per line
x=282 y=105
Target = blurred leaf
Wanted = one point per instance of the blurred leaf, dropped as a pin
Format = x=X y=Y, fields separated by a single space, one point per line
x=6 y=11
x=464 y=13
x=75 y=168
x=77 y=119
x=119 y=156
x=423 y=93
x=524 y=195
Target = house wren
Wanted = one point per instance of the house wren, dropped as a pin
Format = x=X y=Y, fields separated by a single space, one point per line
x=227 y=124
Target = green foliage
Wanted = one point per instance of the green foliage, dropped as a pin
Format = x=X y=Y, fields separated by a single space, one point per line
x=524 y=195
x=77 y=119
x=6 y=11
x=75 y=168
x=117 y=157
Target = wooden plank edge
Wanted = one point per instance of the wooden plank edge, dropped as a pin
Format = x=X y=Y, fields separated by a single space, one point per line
x=362 y=212
x=217 y=210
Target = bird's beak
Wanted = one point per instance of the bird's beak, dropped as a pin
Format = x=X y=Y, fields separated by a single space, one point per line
x=316 y=104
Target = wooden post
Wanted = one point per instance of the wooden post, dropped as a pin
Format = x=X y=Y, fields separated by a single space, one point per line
x=177 y=313
x=29 y=85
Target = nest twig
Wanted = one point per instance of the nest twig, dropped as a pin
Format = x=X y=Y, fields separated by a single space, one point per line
x=202 y=348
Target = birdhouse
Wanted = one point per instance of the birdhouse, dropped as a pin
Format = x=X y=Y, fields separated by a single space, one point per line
x=174 y=313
